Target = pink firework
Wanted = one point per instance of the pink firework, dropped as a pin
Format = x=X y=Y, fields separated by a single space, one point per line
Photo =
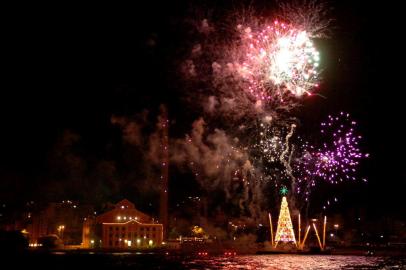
x=279 y=60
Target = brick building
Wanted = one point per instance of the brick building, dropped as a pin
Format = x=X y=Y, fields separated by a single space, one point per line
x=122 y=227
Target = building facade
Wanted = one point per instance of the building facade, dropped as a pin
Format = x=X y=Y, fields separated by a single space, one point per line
x=63 y=220
x=122 y=227
x=131 y=234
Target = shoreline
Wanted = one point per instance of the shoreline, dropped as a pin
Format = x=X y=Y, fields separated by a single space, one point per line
x=176 y=252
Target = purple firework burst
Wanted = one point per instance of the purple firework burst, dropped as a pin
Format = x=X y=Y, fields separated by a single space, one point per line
x=337 y=157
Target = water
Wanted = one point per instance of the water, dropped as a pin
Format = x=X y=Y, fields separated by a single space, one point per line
x=297 y=262
x=127 y=260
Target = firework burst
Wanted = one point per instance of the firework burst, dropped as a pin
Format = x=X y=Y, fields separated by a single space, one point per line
x=338 y=160
x=335 y=159
x=280 y=59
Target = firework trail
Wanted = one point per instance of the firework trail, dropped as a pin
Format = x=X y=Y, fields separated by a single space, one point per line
x=289 y=160
x=286 y=151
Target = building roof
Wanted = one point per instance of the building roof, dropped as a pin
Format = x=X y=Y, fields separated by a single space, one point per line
x=126 y=203
x=123 y=211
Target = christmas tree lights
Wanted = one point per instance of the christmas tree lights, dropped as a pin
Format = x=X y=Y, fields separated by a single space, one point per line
x=284 y=232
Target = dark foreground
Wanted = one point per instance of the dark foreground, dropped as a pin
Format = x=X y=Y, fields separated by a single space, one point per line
x=124 y=260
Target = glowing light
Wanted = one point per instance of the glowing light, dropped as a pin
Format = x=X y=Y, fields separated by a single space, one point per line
x=284 y=190
x=284 y=232
x=318 y=237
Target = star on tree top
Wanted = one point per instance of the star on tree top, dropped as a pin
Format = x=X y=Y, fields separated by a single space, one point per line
x=284 y=190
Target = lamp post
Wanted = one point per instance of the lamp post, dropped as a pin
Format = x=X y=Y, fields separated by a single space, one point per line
x=61 y=229
x=336 y=226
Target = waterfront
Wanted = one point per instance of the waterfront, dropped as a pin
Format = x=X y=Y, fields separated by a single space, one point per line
x=126 y=260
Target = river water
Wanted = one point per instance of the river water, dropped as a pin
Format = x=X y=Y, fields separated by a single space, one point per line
x=297 y=262
x=139 y=260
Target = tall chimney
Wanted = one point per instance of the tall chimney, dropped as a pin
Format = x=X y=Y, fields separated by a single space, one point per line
x=163 y=209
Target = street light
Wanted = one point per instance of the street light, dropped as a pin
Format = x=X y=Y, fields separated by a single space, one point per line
x=336 y=226
x=61 y=229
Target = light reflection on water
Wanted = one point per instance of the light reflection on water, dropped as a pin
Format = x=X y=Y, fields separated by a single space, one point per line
x=282 y=262
x=162 y=261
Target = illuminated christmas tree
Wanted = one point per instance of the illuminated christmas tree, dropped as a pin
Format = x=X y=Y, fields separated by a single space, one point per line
x=284 y=232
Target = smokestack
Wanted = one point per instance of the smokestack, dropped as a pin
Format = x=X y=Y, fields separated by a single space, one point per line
x=163 y=209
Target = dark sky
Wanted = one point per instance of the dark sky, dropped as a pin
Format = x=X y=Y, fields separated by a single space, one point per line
x=72 y=68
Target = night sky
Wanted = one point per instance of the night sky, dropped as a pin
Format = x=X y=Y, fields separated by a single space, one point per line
x=68 y=70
